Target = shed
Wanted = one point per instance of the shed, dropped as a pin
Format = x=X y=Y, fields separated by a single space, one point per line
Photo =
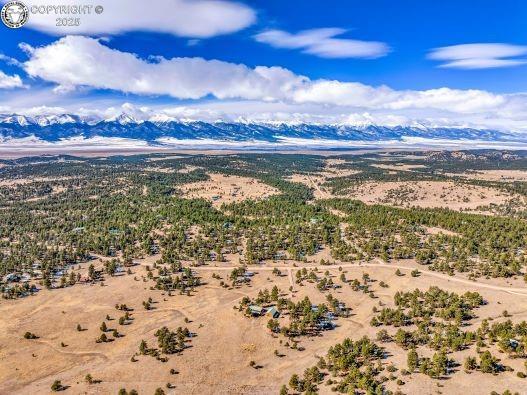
x=272 y=312
x=256 y=310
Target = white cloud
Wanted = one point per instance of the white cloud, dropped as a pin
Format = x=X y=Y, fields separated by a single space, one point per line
x=39 y=110
x=77 y=61
x=512 y=117
x=271 y=93
x=322 y=43
x=186 y=18
x=10 y=81
x=80 y=61
x=480 y=56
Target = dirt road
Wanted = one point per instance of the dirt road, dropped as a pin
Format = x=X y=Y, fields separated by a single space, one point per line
x=379 y=264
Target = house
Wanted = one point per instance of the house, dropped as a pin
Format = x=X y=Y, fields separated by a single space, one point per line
x=280 y=255
x=11 y=278
x=256 y=310
x=25 y=278
x=58 y=273
x=329 y=316
x=326 y=325
x=272 y=312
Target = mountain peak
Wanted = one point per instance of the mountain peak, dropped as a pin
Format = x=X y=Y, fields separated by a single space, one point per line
x=162 y=118
x=21 y=120
x=124 y=119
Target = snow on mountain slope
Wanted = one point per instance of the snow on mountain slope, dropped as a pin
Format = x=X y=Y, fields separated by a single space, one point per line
x=158 y=128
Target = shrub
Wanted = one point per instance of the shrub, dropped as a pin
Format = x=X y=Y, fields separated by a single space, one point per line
x=56 y=386
x=29 y=335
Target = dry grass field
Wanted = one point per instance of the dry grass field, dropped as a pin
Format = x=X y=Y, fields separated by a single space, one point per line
x=429 y=194
x=494 y=175
x=230 y=352
x=228 y=189
x=399 y=167
x=316 y=180
x=218 y=360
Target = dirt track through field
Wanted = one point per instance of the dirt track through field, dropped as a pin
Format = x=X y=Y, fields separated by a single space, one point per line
x=77 y=353
x=380 y=264
x=324 y=194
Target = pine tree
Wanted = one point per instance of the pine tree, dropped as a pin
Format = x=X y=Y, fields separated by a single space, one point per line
x=91 y=272
x=294 y=382
x=274 y=293
x=143 y=347
x=412 y=360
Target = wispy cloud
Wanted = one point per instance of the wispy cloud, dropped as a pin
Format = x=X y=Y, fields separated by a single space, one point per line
x=9 y=60
x=323 y=43
x=480 y=56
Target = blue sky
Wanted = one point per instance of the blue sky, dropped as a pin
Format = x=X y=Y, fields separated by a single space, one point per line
x=381 y=56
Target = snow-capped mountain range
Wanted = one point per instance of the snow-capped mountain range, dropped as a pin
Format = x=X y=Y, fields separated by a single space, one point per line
x=54 y=128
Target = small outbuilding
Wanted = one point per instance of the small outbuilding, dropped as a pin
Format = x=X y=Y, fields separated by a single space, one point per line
x=12 y=278
x=256 y=310
x=326 y=325
x=273 y=312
